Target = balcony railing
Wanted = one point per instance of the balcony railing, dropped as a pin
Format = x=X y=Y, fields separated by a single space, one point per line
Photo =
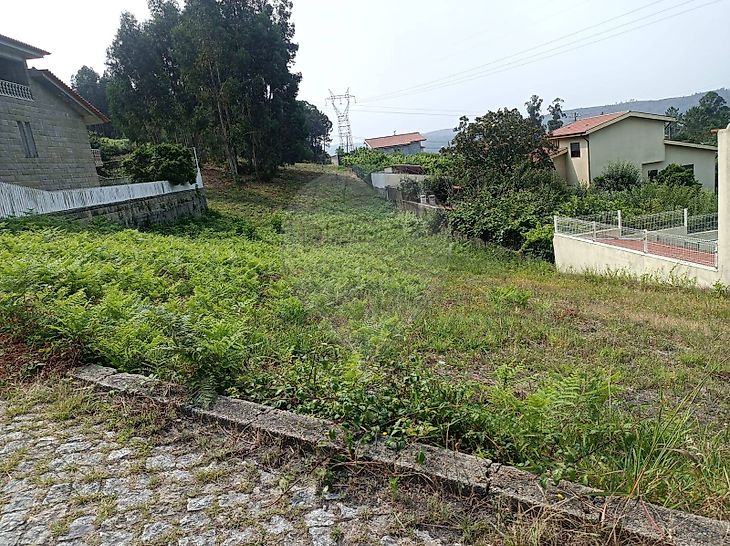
x=96 y=153
x=15 y=90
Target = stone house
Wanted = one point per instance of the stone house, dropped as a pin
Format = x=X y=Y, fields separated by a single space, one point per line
x=406 y=144
x=44 y=140
x=586 y=147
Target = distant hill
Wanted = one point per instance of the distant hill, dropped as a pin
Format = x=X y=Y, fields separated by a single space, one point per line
x=439 y=139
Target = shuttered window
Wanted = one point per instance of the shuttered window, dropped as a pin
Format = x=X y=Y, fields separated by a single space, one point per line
x=26 y=135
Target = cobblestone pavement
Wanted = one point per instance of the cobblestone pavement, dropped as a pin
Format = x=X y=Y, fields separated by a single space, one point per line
x=78 y=467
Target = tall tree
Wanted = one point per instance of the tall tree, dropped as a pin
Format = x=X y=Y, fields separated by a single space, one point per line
x=318 y=128
x=534 y=110
x=556 y=115
x=87 y=83
x=145 y=91
x=672 y=127
x=711 y=113
x=498 y=144
x=237 y=54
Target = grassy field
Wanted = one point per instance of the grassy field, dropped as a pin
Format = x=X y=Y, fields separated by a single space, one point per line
x=309 y=293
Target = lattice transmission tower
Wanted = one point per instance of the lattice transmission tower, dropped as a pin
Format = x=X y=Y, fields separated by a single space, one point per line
x=341 y=104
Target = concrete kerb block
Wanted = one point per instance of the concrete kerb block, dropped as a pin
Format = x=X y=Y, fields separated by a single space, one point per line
x=652 y=522
x=229 y=411
x=438 y=466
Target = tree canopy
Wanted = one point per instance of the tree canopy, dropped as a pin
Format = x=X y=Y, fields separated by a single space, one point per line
x=696 y=124
x=498 y=142
x=216 y=75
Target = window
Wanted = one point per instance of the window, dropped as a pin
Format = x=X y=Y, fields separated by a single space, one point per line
x=26 y=135
x=690 y=167
x=653 y=174
x=575 y=149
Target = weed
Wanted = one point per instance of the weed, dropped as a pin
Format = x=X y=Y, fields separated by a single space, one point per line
x=312 y=295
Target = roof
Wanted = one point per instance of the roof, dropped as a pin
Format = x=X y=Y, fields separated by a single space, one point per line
x=28 y=51
x=592 y=124
x=558 y=152
x=691 y=145
x=395 y=140
x=92 y=115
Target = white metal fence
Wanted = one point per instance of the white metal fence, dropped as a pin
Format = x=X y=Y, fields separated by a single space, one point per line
x=18 y=201
x=672 y=234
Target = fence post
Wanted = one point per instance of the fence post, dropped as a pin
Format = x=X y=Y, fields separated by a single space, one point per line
x=620 y=231
x=555 y=223
x=686 y=221
x=594 y=230
x=723 y=198
x=646 y=241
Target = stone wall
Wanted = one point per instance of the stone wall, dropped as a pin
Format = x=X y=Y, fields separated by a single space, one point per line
x=147 y=211
x=64 y=155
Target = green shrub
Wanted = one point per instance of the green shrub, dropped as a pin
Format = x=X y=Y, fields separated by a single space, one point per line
x=110 y=148
x=676 y=175
x=618 y=176
x=539 y=242
x=171 y=162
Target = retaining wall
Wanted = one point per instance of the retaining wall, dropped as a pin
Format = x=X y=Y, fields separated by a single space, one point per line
x=146 y=211
x=576 y=255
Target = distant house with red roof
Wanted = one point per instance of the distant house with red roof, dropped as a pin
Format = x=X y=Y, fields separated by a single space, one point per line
x=44 y=140
x=406 y=144
x=584 y=148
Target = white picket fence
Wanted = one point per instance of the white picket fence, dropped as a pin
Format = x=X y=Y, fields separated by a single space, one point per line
x=18 y=201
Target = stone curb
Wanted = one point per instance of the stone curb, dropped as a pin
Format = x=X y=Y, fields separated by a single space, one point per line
x=456 y=471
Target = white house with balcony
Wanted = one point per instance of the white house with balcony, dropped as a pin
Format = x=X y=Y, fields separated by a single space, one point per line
x=44 y=140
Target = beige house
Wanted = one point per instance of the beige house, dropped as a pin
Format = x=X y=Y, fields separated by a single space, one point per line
x=586 y=147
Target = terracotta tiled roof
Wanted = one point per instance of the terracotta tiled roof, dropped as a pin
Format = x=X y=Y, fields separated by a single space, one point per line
x=582 y=126
x=395 y=140
x=37 y=52
x=86 y=105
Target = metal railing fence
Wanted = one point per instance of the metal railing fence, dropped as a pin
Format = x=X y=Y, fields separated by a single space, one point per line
x=673 y=234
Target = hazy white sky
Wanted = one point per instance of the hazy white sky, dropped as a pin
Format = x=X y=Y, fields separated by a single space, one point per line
x=384 y=46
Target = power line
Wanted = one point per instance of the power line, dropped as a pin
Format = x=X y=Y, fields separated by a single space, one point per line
x=541 y=56
x=343 y=118
x=427 y=114
x=449 y=80
x=495 y=61
x=547 y=17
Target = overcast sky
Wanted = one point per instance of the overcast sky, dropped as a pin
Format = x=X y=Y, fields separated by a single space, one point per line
x=386 y=51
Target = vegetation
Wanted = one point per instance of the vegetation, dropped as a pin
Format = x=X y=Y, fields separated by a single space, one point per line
x=214 y=75
x=676 y=175
x=696 y=124
x=499 y=184
x=171 y=162
x=618 y=176
x=311 y=294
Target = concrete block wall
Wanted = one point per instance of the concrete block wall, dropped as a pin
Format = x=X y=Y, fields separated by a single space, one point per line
x=146 y=212
x=64 y=155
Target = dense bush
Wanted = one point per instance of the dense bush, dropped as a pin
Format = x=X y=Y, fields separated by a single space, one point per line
x=676 y=175
x=504 y=213
x=171 y=162
x=440 y=186
x=110 y=148
x=368 y=160
x=618 y=176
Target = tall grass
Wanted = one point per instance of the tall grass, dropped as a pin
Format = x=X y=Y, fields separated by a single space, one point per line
x=316 y=297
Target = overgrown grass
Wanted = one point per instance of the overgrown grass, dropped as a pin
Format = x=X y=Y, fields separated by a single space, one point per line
x=312 y=294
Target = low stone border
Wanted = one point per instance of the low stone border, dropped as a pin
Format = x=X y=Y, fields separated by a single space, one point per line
x=456 y=471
